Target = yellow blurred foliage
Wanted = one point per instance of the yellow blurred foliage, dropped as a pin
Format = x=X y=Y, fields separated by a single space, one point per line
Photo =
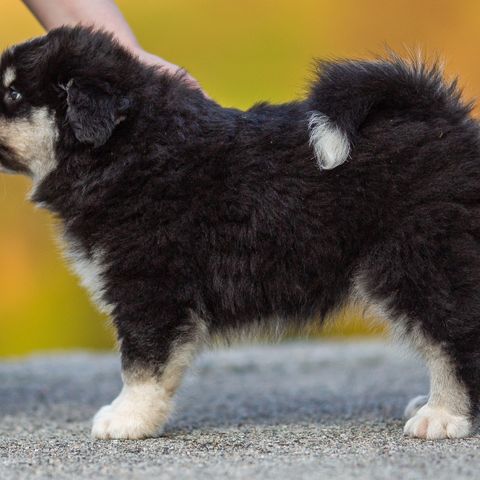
x=241 y=51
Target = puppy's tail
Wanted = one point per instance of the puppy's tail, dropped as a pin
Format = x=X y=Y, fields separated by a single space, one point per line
x=348 y=92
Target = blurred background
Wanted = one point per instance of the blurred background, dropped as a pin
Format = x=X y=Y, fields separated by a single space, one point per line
x=241 y=51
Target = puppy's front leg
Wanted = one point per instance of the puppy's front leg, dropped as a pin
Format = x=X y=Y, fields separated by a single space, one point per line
x=153 y=361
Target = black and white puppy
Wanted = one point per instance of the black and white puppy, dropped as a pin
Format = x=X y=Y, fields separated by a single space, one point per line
x=188 y=221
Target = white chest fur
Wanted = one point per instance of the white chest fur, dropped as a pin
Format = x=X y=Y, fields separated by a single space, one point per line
x=90 y=269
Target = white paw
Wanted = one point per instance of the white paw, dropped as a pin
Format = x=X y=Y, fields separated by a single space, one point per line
x=138 y=412
x=114 y=422
x=414 y=406
x=434 y=423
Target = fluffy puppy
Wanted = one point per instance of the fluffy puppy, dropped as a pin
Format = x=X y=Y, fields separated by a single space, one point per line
x=189 y=221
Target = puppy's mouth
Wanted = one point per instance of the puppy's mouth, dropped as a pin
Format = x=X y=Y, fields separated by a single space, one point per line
x=9 y=163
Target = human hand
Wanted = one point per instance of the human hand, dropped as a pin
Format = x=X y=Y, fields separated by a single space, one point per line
x=169 y=68
x=103 y=15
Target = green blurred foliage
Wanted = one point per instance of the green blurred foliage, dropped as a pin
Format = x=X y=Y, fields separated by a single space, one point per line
x=241 y=51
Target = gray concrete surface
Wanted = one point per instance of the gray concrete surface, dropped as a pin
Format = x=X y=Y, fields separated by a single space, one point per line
x=291 y=411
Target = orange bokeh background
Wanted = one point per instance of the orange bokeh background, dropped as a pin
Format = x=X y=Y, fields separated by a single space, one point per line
x=241 y=51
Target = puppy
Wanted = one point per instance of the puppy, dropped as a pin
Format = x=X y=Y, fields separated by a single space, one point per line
x=187 y=221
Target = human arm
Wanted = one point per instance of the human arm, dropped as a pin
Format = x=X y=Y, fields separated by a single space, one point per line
x=102 y=14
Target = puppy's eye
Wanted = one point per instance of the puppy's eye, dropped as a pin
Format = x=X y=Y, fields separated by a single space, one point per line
x=13 y=95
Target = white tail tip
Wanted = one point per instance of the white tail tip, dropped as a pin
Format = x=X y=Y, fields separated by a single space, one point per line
x=330 y=144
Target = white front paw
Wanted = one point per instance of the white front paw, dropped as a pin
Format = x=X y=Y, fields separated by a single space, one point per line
x=114 y=422
x=139 y=411
x=433 y=423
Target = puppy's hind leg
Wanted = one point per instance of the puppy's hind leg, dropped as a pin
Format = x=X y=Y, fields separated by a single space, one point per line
x=154 y=359
x=446 y=412
x=428 y=292
x=449 y=407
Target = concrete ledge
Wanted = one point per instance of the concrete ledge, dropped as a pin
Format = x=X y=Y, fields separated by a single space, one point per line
x=299 y=410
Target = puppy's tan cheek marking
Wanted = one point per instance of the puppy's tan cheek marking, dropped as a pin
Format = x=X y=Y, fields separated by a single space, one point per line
x=33 y=140
x=9 y=76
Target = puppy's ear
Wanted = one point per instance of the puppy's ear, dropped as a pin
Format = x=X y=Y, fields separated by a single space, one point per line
x=94 y=110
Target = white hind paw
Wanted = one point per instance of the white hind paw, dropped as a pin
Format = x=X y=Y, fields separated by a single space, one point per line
x=434 y=423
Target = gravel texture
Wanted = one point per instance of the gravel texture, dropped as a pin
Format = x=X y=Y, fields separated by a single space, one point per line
x=291 y=411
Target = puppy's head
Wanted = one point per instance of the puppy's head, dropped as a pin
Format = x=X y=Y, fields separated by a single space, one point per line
x=71 y=87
